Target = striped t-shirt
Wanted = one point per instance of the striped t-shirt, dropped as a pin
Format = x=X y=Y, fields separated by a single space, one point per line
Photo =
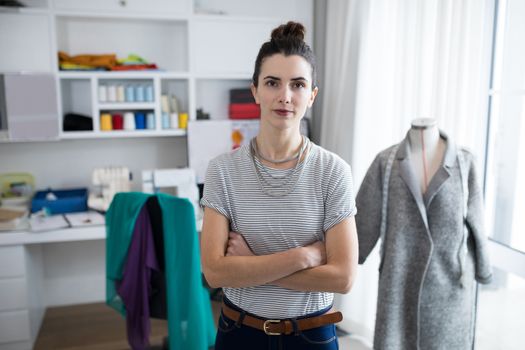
x=321 y=198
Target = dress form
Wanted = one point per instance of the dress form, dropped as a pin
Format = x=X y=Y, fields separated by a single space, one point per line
x=427 y=150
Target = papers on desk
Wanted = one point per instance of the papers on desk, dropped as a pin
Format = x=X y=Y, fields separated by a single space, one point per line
x=54 y=222
x=46 y=223
x=87 y=218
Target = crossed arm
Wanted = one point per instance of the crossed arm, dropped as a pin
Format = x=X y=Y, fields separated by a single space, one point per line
x=329 y=267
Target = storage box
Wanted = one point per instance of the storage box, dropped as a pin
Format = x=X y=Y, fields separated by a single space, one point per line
x=67 y=201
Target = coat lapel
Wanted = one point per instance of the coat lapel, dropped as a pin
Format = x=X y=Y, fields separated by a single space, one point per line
x=443 y=173
x=435 y=185
x=408 y=176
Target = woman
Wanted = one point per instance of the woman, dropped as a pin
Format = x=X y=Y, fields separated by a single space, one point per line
x=279 y=234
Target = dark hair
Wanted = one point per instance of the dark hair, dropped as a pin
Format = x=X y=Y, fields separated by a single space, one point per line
x=287 y=39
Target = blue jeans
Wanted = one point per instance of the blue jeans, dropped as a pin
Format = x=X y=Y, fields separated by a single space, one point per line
x=231 y=337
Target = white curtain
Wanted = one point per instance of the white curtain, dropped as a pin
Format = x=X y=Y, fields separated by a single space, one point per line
x=387 y=63
x=345 y=21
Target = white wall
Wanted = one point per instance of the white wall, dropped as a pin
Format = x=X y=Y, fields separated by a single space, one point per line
x=69 y=163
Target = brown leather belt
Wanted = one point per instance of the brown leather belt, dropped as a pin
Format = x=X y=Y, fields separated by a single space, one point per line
x=278 y=327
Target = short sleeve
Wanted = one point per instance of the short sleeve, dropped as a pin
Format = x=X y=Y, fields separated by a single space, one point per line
x=215 y=194
x=340 y=200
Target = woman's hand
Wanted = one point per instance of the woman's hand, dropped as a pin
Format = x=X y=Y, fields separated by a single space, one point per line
x=237 y=246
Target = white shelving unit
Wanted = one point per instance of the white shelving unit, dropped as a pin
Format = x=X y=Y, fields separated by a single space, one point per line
x=162 y=40
x=79 y=94
x=204 y=48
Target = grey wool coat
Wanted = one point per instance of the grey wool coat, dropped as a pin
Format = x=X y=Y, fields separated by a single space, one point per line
x=426 y=297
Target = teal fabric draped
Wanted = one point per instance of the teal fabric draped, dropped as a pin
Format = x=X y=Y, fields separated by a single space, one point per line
x=190 y=320
x=120 y=221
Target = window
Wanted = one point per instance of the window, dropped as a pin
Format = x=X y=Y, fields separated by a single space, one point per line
x=505 y=172
x=501 y=305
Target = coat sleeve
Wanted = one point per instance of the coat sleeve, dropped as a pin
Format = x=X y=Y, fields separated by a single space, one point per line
x=475 y=222
x=368 y=203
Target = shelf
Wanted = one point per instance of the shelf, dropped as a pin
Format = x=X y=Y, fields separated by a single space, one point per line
x=224 y=76
x=121 y=134
x=264 y=11
x=194 y=42
x=213 y=95
x=121 y=15
x=125 y=35
x=126 y=105
x=235 y=18
x=62 y=235
x=4 y=140
x=24 y=10
x=77 y=88
x=74 y=234
x=136 y=9
x=142 y=74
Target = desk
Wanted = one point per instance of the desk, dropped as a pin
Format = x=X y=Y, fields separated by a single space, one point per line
x=75 y=234
x=29 y=265
x=39 y=270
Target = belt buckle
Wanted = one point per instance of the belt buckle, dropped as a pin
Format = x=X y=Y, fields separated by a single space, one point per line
x=265 y=327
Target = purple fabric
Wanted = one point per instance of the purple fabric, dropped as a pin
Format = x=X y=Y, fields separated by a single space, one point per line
x=134 y=287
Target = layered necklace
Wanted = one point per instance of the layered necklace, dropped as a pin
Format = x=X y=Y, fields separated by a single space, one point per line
x=278 y=186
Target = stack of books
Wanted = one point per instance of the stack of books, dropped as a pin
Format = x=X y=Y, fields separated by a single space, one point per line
x=242 y=105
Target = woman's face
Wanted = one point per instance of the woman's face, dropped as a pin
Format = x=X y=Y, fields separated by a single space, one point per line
x=285 y=90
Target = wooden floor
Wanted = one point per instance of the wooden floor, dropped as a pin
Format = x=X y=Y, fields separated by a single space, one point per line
x=98 y=327
x=93 y=326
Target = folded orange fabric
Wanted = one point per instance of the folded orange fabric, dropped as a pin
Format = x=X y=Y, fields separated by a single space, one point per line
x=127 y=67
x=106 y=61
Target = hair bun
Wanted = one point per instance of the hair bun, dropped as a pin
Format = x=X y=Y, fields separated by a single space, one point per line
x=290 y=30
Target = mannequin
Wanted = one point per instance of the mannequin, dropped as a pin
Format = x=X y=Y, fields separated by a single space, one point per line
x=422 y=201
x=427 y=150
